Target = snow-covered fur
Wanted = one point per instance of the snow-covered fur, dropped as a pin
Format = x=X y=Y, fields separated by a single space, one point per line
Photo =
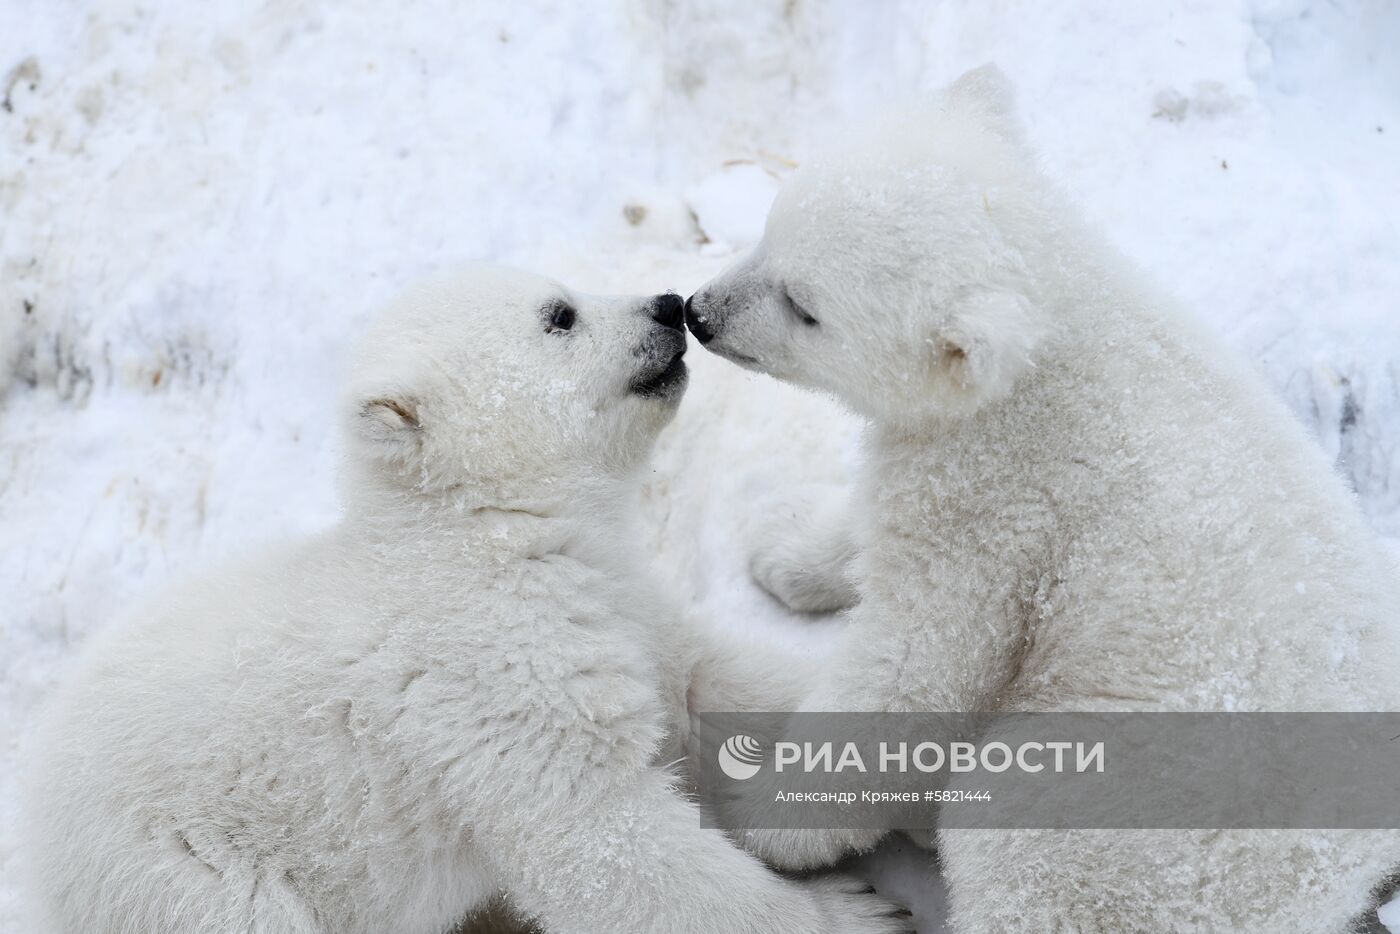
x=1074 y=500
x=469 y=685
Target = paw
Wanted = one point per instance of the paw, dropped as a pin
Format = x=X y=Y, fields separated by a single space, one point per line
x=849 y=905
x=800 y=551
x=800 y=850
x=796 y=585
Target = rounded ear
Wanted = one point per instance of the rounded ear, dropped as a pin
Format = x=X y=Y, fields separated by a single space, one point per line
x=391 y=425
x=986 y=93
x=984 y=345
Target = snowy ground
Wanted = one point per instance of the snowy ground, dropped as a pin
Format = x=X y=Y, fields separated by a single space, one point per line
x=200 y=202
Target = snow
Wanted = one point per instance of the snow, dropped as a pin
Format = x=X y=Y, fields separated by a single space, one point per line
x=1390 y=915
x=734 y=202
x=201 y=202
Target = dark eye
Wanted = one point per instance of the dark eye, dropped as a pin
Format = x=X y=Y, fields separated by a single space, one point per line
x=561 y=318
x=798 y=310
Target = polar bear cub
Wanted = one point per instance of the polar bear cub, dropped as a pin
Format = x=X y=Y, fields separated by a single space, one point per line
x=468 y=686
x=1073 y=500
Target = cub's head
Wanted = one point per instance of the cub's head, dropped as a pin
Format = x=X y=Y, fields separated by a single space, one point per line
x=891 y=273
x=501 y=388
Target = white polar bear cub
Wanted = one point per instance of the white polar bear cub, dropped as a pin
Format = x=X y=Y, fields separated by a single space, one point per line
x=1073 y=500
x=467 y=686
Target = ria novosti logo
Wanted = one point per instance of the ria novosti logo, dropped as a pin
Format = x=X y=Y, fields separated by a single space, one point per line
x=740 y=757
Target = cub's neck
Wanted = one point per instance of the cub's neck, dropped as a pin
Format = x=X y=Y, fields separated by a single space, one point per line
x=595 y=525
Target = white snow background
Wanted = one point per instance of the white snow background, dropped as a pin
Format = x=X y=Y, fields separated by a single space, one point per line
x=201 y=202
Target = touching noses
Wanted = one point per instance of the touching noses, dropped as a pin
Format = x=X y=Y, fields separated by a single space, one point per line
x=697 y=324
x=669 y=311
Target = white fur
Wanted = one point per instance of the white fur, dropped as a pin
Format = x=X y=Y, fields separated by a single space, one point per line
x=468 y=686
x=803 y=550
x=1073 y=500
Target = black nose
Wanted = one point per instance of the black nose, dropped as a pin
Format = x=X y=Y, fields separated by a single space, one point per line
x=697 y=327
x=668 y=310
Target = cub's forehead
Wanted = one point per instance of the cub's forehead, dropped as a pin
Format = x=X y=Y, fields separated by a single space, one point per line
x=806 y=210
x=458 y=311
x=880 y=210
x=483 y=288
x=827 y=213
